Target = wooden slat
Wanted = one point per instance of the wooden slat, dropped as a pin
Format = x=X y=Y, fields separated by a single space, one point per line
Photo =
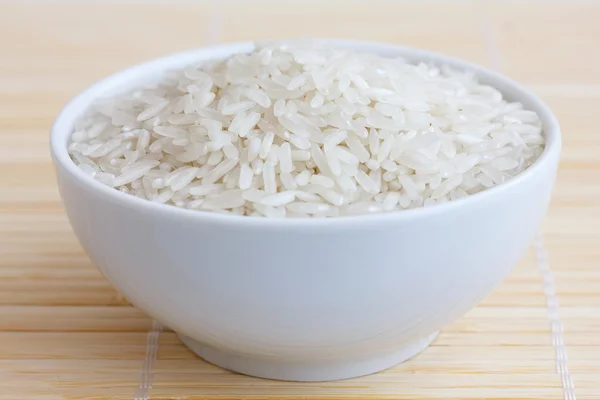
x=72 y=318
x=523 y=28
x=407 y=23
x=72 y=345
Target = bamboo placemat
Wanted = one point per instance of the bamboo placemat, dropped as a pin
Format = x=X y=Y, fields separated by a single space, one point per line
x=66 y=334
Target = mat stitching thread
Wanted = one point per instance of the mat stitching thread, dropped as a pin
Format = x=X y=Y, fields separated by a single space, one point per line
x=556 y=325
x=146 y=374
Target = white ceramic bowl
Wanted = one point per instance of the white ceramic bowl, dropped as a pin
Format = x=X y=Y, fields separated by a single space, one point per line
x=305 y=299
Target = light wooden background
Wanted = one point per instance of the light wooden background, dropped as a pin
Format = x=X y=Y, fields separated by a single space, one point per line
x=66 y=334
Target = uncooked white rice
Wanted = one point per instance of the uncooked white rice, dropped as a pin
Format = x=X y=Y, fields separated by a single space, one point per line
x=299 y=130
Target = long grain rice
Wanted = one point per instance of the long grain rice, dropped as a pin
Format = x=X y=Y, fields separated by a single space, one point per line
x=300 y=130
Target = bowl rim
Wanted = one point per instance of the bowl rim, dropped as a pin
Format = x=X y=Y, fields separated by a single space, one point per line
x=63 y=125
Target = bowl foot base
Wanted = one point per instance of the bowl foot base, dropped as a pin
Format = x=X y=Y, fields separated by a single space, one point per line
x=307 y=370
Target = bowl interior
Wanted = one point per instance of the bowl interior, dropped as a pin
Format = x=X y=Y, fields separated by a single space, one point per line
x=150 y=71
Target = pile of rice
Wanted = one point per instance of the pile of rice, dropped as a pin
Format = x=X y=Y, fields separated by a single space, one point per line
x=298 y=130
